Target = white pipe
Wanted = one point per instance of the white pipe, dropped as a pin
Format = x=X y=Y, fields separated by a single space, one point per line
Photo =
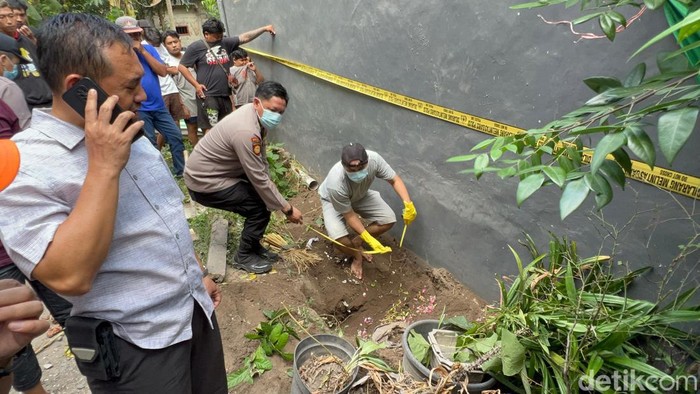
x=310 y=182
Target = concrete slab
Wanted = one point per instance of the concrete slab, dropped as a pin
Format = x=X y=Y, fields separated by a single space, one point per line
x=216 y=258
x=190 y=209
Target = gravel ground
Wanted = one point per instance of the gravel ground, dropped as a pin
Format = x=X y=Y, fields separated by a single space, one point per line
x=60 y=375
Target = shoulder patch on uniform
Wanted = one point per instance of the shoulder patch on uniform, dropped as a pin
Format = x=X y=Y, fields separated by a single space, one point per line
x=257 y=145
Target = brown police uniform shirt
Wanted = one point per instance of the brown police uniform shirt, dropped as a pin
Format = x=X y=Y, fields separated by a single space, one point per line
x=233 y=151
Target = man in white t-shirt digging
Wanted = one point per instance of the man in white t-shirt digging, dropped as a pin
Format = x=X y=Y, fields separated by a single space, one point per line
x=345 y=193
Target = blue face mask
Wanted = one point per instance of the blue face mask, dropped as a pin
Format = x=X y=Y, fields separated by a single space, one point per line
x=270 y=119
x=357 y=176
x=11 y=74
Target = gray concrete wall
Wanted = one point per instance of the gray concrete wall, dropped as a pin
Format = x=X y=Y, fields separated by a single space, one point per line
x=478 y=57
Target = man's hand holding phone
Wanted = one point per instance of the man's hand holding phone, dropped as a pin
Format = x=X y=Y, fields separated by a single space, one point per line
x=108 y=143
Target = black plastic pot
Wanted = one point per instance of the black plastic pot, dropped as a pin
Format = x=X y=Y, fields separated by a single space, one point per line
x=318 y=345
x=413 y=366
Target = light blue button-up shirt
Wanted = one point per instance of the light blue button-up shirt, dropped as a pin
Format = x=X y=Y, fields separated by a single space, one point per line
x=148 y=282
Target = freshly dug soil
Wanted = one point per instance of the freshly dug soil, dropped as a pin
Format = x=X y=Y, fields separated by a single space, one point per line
x=397 y=288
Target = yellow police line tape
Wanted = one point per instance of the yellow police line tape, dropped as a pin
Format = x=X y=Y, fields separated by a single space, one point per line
x=662 y=178
x=346 y=247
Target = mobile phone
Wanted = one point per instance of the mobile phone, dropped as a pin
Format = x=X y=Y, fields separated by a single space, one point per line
x=76 y=97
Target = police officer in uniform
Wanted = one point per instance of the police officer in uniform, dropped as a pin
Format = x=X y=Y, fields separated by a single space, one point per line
x=228 y=170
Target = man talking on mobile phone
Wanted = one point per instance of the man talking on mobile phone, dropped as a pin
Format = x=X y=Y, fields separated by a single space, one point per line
x=100 y=220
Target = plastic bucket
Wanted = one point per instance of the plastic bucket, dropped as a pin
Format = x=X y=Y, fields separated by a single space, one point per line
x=318 y=345
x=413 y=366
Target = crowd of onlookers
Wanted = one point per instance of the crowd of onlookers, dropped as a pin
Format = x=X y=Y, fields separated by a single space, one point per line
x=22 y=89
x=170 y=96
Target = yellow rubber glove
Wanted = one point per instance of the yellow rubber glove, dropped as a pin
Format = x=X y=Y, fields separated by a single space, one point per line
x=409 y=212
x=373 y=243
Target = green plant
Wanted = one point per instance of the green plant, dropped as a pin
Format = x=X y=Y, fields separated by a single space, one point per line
x=420 y=348
x=212 y=8
x=616 y=121
x=279 y=171
x=273 y=335
x=363 y=357
x=255 y=364
x=38 y=10
x=565 y=320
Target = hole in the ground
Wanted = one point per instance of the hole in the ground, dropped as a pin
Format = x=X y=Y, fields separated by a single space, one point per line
x=343 y=310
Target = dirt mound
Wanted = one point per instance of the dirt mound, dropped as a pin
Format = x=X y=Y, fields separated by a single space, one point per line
x=397 y=287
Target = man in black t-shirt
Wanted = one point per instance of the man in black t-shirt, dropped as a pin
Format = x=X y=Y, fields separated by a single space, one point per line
x=211 y=59
x=36 y=91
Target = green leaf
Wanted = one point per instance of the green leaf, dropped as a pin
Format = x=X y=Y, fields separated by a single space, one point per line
x=618 y=18
x=368 y=347
x=640 y=144
x=609 y=96
x=575 y=192
x=484 y=345
x=565 y=163
x=623 y=159
x=596 y=129
x=585 y=18
x=528 y=186
x=688 y=20
x=419 y=347
x=533 y=4
x=243 y=375
x=668 y=64
x=636 y=76
x=483 y=144
x=512 y=353
x=556 y=174
x=496 y=154
x=266 y=328
x=677 y=316
x=455 y=159
x=608 y=26
x=481 y=162
x=525 y=380
x=260 y=360
x=460 y=322
x=683 y=50
x=607 y=145
x=638 y=366
x=569 y=284
x=266 y=347
x=276 y=331
x=675 y=128
x=494 y=364
x=601 y=187
x=688 y=31
x=595 y=363
x=507 y=172
x=528 y=170
x=601 y=84
x=282 y=340
x=286 y=356
x=683 y=298
x=654 y=4
x=612 y=341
